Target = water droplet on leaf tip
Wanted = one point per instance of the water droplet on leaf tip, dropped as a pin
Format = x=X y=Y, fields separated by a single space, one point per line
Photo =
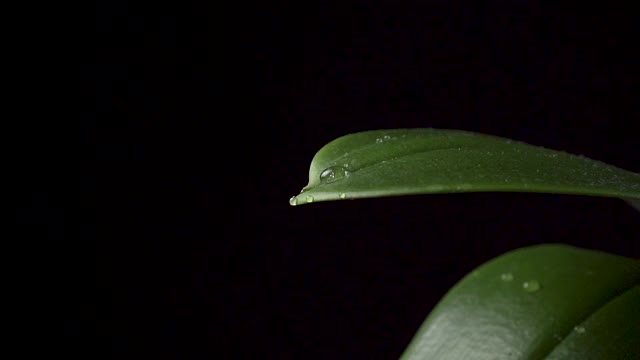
x=506 y=277
x=531 y=286
x=293 y=201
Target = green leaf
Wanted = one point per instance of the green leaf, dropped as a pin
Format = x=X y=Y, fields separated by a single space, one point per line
x=543 y=302
x=421 y=161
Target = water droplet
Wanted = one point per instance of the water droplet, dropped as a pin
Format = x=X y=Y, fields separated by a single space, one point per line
x=309 y=199
x=379 y=141
x=331 y=174
x=343 y=196
x=386 y=137
x=293 y=201
x=506 y=277
x=579 y=329
x=531 y=286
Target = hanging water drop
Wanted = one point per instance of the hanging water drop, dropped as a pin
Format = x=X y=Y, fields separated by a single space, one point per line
x=293 y=201
x=331 y=174
x=531 y=286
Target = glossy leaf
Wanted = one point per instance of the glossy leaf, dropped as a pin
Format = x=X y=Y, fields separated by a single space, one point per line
x=420 y=161
x=543 y=302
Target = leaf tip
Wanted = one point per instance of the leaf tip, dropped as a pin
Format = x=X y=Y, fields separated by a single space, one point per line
x=299 y=200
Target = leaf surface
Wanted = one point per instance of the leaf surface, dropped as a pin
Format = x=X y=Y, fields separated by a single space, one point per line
x=542 y=302
x=422 y=161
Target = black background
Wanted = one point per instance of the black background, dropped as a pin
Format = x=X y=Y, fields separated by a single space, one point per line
x=210 y=118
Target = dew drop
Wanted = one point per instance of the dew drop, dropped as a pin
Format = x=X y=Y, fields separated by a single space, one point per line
x=506 y=277
x=331 y=174
x=309 y=199
x=293 y=201
x=579 y=329
x=379 y=141
x=531 y=286
x=343 y=196
x=386 y=137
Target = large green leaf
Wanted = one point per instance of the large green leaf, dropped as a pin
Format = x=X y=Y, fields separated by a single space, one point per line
x=543 y=302
x=420 y=161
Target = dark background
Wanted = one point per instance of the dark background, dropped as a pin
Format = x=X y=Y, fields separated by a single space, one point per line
x=209 y=119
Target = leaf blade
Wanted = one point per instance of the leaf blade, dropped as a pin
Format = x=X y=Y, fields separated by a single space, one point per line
x=421 y=161
x=488 y=316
